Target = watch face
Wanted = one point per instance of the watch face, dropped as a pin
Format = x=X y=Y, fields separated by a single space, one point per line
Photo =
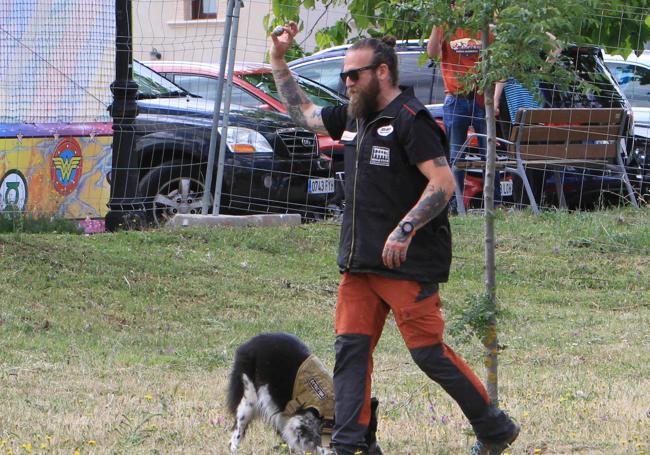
x=407 y=227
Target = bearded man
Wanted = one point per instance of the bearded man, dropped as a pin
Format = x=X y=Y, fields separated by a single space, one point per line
x=395 y=244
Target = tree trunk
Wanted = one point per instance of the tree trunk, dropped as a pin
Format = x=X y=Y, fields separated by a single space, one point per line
x=490 y=341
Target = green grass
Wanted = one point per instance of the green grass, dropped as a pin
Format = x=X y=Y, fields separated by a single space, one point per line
x=121 y=343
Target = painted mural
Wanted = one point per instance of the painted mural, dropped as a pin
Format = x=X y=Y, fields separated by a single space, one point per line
x=55 y=130
x=66 y=176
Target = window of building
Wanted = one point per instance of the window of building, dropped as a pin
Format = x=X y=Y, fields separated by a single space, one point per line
x=204 y=9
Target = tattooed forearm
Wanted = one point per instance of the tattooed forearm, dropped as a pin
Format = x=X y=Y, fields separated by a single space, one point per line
x=296 y=114
x=292 y=95
x=430 y=205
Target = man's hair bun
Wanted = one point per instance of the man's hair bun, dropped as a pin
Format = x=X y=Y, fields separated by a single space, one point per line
x=389 y=40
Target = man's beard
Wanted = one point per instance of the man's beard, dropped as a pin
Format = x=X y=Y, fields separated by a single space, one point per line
x=363 y=102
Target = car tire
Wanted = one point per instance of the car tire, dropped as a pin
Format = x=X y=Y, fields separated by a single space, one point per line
x=173 y=188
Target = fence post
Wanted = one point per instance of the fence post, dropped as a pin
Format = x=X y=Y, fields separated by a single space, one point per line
x=226 y=108
x=225 y=46
x=126 y=209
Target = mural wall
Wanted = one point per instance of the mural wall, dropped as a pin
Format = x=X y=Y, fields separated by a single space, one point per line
x=56 y=67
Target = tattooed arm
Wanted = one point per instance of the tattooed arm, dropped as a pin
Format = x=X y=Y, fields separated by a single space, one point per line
x=437 y=193
x=299 y=107
x=432 y=202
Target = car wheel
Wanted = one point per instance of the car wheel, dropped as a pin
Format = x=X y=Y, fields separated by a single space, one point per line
x=173 y=188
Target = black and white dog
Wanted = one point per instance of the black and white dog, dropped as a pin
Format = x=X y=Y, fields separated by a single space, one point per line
x=263 y=382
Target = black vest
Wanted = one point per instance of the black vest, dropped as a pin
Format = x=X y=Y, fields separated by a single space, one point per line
x=380 y=188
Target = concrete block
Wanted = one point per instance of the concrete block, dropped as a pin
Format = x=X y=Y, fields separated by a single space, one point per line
x=186 y=220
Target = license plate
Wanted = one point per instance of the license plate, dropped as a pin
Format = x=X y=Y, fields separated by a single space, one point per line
x=320 y=186
x=506 y=188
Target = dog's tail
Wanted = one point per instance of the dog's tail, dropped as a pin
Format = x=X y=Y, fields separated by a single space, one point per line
x=244 y=363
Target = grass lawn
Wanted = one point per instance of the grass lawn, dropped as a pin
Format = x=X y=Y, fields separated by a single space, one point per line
x=121 y=343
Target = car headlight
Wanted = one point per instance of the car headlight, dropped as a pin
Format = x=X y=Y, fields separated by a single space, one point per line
x=245 y=140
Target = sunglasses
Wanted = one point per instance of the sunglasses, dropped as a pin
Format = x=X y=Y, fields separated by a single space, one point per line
x=354 y=74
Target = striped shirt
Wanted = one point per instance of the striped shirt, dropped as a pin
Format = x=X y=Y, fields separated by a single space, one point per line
x=518 y=97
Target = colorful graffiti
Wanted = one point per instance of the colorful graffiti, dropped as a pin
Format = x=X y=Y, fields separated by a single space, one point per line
x=66 y=165
x=13 y=191
x=62 y=176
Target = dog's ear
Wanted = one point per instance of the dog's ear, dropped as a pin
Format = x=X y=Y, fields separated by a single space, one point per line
x=302 y=432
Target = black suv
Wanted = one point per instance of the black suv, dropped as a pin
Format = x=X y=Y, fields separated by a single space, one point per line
x=271 y=165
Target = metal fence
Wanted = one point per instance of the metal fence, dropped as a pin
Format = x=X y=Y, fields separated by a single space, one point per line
x=58 y=154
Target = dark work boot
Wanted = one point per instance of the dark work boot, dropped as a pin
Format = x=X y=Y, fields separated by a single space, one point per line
x=496 y=447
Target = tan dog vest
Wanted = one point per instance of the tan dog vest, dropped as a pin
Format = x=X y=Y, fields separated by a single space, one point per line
x=314 y=388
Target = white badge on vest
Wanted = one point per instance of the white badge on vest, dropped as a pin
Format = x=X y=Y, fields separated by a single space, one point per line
x=385 y=130
x=348 y=135
x=380 y=156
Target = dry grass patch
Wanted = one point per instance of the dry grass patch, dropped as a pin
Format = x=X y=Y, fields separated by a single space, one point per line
x=121 y=343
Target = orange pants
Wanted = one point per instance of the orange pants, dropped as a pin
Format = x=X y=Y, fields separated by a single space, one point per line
x=363 y=304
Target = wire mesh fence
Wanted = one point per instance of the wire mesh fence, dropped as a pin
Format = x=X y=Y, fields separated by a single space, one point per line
x=57 y=64
x=56 y=132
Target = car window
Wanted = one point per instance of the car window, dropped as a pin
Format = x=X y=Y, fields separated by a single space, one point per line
x=266 y=83
x=634 y=80
x=150 y=83
x=423 y=75
x=325 y=72
x=586 y=67
x=206 y=87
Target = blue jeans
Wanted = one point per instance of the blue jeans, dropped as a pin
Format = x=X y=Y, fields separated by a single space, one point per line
x=458 y=114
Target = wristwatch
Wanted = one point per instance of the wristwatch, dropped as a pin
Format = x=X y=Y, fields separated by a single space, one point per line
x=407 y=228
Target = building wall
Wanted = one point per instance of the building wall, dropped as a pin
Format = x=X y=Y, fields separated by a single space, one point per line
x=165 y=26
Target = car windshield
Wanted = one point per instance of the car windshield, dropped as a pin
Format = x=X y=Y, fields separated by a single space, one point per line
x=316 y=94
x=586 y=66
x=153 y=85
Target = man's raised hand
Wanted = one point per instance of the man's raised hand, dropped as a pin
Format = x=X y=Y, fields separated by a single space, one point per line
x=282 y=38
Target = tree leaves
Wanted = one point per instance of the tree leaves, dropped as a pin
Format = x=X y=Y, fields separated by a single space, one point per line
x=620 y=26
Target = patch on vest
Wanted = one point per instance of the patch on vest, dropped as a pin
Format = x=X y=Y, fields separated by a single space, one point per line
x=380 y=156
x=318 y=390
x=348 y=135
x=385 y=130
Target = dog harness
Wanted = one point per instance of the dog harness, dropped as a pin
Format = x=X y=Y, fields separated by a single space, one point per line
x=314 y=388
